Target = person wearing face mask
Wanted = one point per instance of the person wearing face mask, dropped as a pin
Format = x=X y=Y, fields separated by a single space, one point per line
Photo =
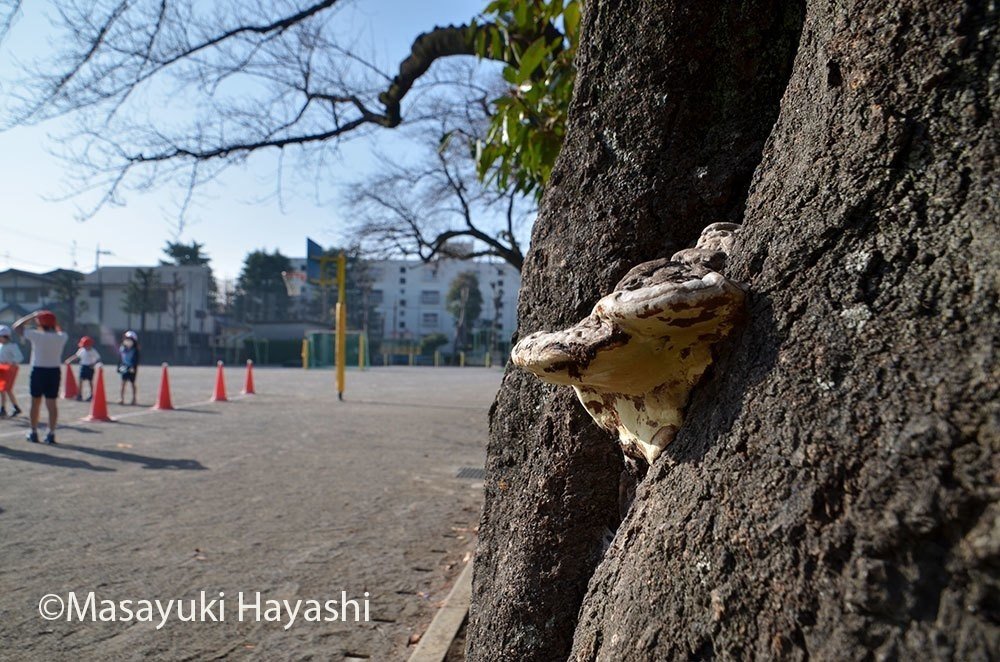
x=128 y=363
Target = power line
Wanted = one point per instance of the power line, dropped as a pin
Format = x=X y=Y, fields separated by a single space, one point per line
x=34 y=237
x=10 y=260
x=71 y=247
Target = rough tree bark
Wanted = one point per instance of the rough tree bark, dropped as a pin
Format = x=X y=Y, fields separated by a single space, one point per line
x=834 y=491
x=665 y=134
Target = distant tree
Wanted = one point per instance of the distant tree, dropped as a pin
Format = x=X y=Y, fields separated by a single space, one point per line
x=67 y=287
x=430 y=343
x=183 y=255
x=175 y=308
x=260 y=290
x=465 y=303
x=143 y=295
x=426 y=209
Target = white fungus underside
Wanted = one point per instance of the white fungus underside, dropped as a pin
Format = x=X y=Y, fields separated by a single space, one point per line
x=634 y=361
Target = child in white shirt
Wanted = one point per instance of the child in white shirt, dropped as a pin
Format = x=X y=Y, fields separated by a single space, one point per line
x=47 y=342
x=88 y=357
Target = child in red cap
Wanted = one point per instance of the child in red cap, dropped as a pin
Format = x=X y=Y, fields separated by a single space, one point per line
x=88 y=357
x=47 y=342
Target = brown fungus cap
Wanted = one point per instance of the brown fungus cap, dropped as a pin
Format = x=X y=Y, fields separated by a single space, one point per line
x=634 y=360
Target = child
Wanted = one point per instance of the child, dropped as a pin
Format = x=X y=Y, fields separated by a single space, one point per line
x=10 y=358
x=47 y=342
x=128 y=363
x=89 y=357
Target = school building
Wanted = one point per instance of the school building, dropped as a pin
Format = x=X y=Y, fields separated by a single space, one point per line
x=409 y=299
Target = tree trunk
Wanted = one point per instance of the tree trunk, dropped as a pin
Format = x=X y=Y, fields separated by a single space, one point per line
x=673 y=104
x=833 y=492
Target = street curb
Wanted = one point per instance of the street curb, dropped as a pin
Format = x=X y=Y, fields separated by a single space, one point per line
x=436 y=641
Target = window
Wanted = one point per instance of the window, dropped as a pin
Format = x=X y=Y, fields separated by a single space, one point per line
x=430 y=297
x=402 y=325
x=402 y=303
x=402 y=270
x=158 y=301
x=26 y=294
x=402 y=280
x=429 y=319
x=95 y=293
x=375 y=298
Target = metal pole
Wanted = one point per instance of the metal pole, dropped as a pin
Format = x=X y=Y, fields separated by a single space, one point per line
x=341 y=323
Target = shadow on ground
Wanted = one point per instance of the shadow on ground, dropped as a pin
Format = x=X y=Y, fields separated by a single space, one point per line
x=146 y=461
x=51 y=460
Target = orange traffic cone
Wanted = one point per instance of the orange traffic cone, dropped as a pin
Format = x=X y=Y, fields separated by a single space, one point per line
x=164 y=401
x=220 y=385
x=99 y=405
x=70 y=388
x=248 y=385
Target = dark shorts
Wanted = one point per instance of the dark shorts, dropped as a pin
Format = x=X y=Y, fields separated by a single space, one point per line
x=86 y=373
x=128 y=374
x=44 y=382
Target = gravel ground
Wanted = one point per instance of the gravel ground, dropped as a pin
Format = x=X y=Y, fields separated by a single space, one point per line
x=287 y=493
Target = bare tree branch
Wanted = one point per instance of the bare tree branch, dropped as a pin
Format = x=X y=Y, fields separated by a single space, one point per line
x=9 y=10
x=437 y=208
x=158 y=98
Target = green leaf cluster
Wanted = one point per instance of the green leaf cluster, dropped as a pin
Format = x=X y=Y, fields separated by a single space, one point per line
x=537 y=39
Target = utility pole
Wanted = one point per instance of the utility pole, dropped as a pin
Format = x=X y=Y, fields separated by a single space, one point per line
x=100 y=285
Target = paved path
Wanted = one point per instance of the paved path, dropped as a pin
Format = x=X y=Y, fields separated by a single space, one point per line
x=288 y=493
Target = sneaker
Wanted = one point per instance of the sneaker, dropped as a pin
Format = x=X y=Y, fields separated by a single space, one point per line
x=50 y=438
x=32 y=436
x=3 y=413
x=17 y=410
x=89 y=398
x=79 y=398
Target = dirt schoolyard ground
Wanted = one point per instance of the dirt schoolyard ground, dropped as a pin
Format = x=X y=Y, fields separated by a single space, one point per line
x=288 y=494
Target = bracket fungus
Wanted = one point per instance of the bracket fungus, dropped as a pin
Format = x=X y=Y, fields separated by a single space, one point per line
x=635 y=359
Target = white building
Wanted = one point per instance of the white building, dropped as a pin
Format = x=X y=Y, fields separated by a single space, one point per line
x=410 y=296
x=180 y=302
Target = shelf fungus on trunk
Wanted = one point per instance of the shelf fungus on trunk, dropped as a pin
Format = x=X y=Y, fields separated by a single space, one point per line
x=634 y=360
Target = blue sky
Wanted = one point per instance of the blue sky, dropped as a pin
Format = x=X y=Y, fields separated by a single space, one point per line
x=232 y=216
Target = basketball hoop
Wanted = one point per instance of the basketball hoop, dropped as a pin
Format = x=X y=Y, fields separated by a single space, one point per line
x=295 y=281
